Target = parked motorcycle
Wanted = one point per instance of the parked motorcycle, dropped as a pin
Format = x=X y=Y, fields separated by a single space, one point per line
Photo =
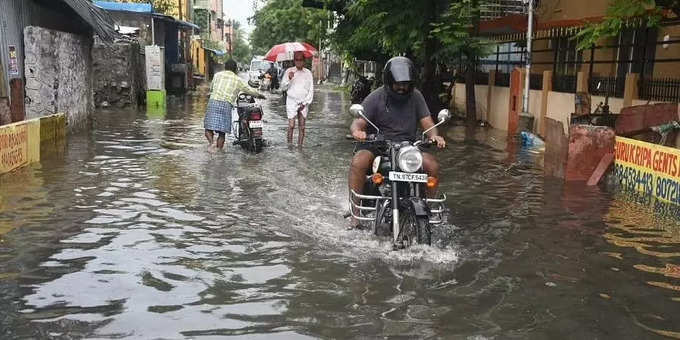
x=265 y=82
x=248 y=124
x=361 y=89
x=394 y=199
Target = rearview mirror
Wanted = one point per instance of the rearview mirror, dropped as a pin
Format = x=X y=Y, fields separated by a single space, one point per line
x=443 y=115
x=357 y=110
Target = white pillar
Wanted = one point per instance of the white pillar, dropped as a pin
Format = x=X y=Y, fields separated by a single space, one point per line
x=527 y=77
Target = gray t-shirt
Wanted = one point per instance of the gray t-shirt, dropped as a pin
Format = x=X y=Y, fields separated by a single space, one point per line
x=397 y=119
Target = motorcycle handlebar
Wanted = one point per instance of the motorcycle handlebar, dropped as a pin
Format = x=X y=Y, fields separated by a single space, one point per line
x=426 y=143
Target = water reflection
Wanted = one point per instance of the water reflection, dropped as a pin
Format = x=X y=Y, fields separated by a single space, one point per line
x=655 y=243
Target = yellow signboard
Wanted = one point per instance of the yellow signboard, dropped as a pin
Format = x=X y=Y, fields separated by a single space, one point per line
x=652 y=169
x=13 y=147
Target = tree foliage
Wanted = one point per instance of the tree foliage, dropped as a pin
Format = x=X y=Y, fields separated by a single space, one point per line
x=280 y=21
x=241 y=50
x=457 y=33
x=375 y=29
x=623 y=14
x=430 y=32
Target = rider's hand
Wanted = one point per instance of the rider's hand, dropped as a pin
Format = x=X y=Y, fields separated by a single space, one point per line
x=359 y=135
x=439 y=140
x=291 y=74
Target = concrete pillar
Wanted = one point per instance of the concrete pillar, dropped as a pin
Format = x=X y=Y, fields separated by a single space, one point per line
x=547 y=87
x=582 y=82
x=631 y=90
x=489 y=94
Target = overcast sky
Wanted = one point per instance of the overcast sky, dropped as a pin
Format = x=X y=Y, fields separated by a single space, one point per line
x=239 y=10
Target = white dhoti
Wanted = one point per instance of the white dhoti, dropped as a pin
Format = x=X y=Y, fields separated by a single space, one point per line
x=292 y=106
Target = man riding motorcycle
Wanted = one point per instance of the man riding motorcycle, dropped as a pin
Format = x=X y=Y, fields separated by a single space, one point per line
x=395 y=108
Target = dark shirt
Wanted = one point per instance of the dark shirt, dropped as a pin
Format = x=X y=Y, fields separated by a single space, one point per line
x=396 y=119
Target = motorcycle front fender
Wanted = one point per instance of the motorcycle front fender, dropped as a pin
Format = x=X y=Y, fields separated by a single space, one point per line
x=420 y=207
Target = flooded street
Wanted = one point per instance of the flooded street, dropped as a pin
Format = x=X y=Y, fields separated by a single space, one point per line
x=136 y=231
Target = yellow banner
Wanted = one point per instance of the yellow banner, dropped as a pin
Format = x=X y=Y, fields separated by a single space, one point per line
x=649 y=168
x=13 y=147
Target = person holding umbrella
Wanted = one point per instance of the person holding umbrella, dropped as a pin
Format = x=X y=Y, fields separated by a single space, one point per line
x=299 y=85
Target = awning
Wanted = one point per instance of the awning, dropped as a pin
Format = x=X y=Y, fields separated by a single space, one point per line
x=188 y=24
x=173 y=21
x=125 y=6
x=216 y=52
x=98 y=19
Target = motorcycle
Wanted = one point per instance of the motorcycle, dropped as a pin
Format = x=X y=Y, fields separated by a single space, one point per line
x=394 y=199
x=361 y=89
x=247 y=125
x=265 y=82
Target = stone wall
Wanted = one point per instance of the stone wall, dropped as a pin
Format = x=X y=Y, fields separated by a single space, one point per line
x=120 y=72
x=58 y=69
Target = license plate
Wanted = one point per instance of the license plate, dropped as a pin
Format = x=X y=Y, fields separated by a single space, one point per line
x=255 y=124
x=407 y=177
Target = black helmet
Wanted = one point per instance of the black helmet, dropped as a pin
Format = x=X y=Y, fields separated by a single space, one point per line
x=399 y=69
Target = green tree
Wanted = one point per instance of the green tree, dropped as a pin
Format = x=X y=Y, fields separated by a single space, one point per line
x=241 y=50
x=459 y=34
x=418 y=29
x=281 y=21
x=623 y=14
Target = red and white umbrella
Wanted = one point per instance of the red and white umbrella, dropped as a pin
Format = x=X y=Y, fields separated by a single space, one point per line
x=285 y=51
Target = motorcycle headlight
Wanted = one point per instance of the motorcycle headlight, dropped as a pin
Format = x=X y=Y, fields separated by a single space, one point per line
x=409 y=159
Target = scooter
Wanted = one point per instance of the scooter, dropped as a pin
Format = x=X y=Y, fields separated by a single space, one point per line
x=247 y=123
x=394 y=199
x=361 y=89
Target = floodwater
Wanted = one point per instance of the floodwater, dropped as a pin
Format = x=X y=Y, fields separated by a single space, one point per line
x=133 y=230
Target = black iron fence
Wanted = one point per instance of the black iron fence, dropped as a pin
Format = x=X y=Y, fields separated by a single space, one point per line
x=536 y=81
x=481 y=78
x=564 y=83
x=502 y=79
x=635 y=51
x=664 y=89
x=606 y=86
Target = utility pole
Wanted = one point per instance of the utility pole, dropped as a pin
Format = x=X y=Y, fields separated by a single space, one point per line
x=527 y=76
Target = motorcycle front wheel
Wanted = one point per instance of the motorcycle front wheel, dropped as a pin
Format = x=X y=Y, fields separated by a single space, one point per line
x=414 y=229
x=382 y=226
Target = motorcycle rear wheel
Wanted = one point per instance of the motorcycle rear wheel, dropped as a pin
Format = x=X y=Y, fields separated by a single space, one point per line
x=256 y=145
x=244 y=136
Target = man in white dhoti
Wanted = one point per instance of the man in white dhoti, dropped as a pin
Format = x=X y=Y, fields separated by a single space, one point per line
x=299 y=84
